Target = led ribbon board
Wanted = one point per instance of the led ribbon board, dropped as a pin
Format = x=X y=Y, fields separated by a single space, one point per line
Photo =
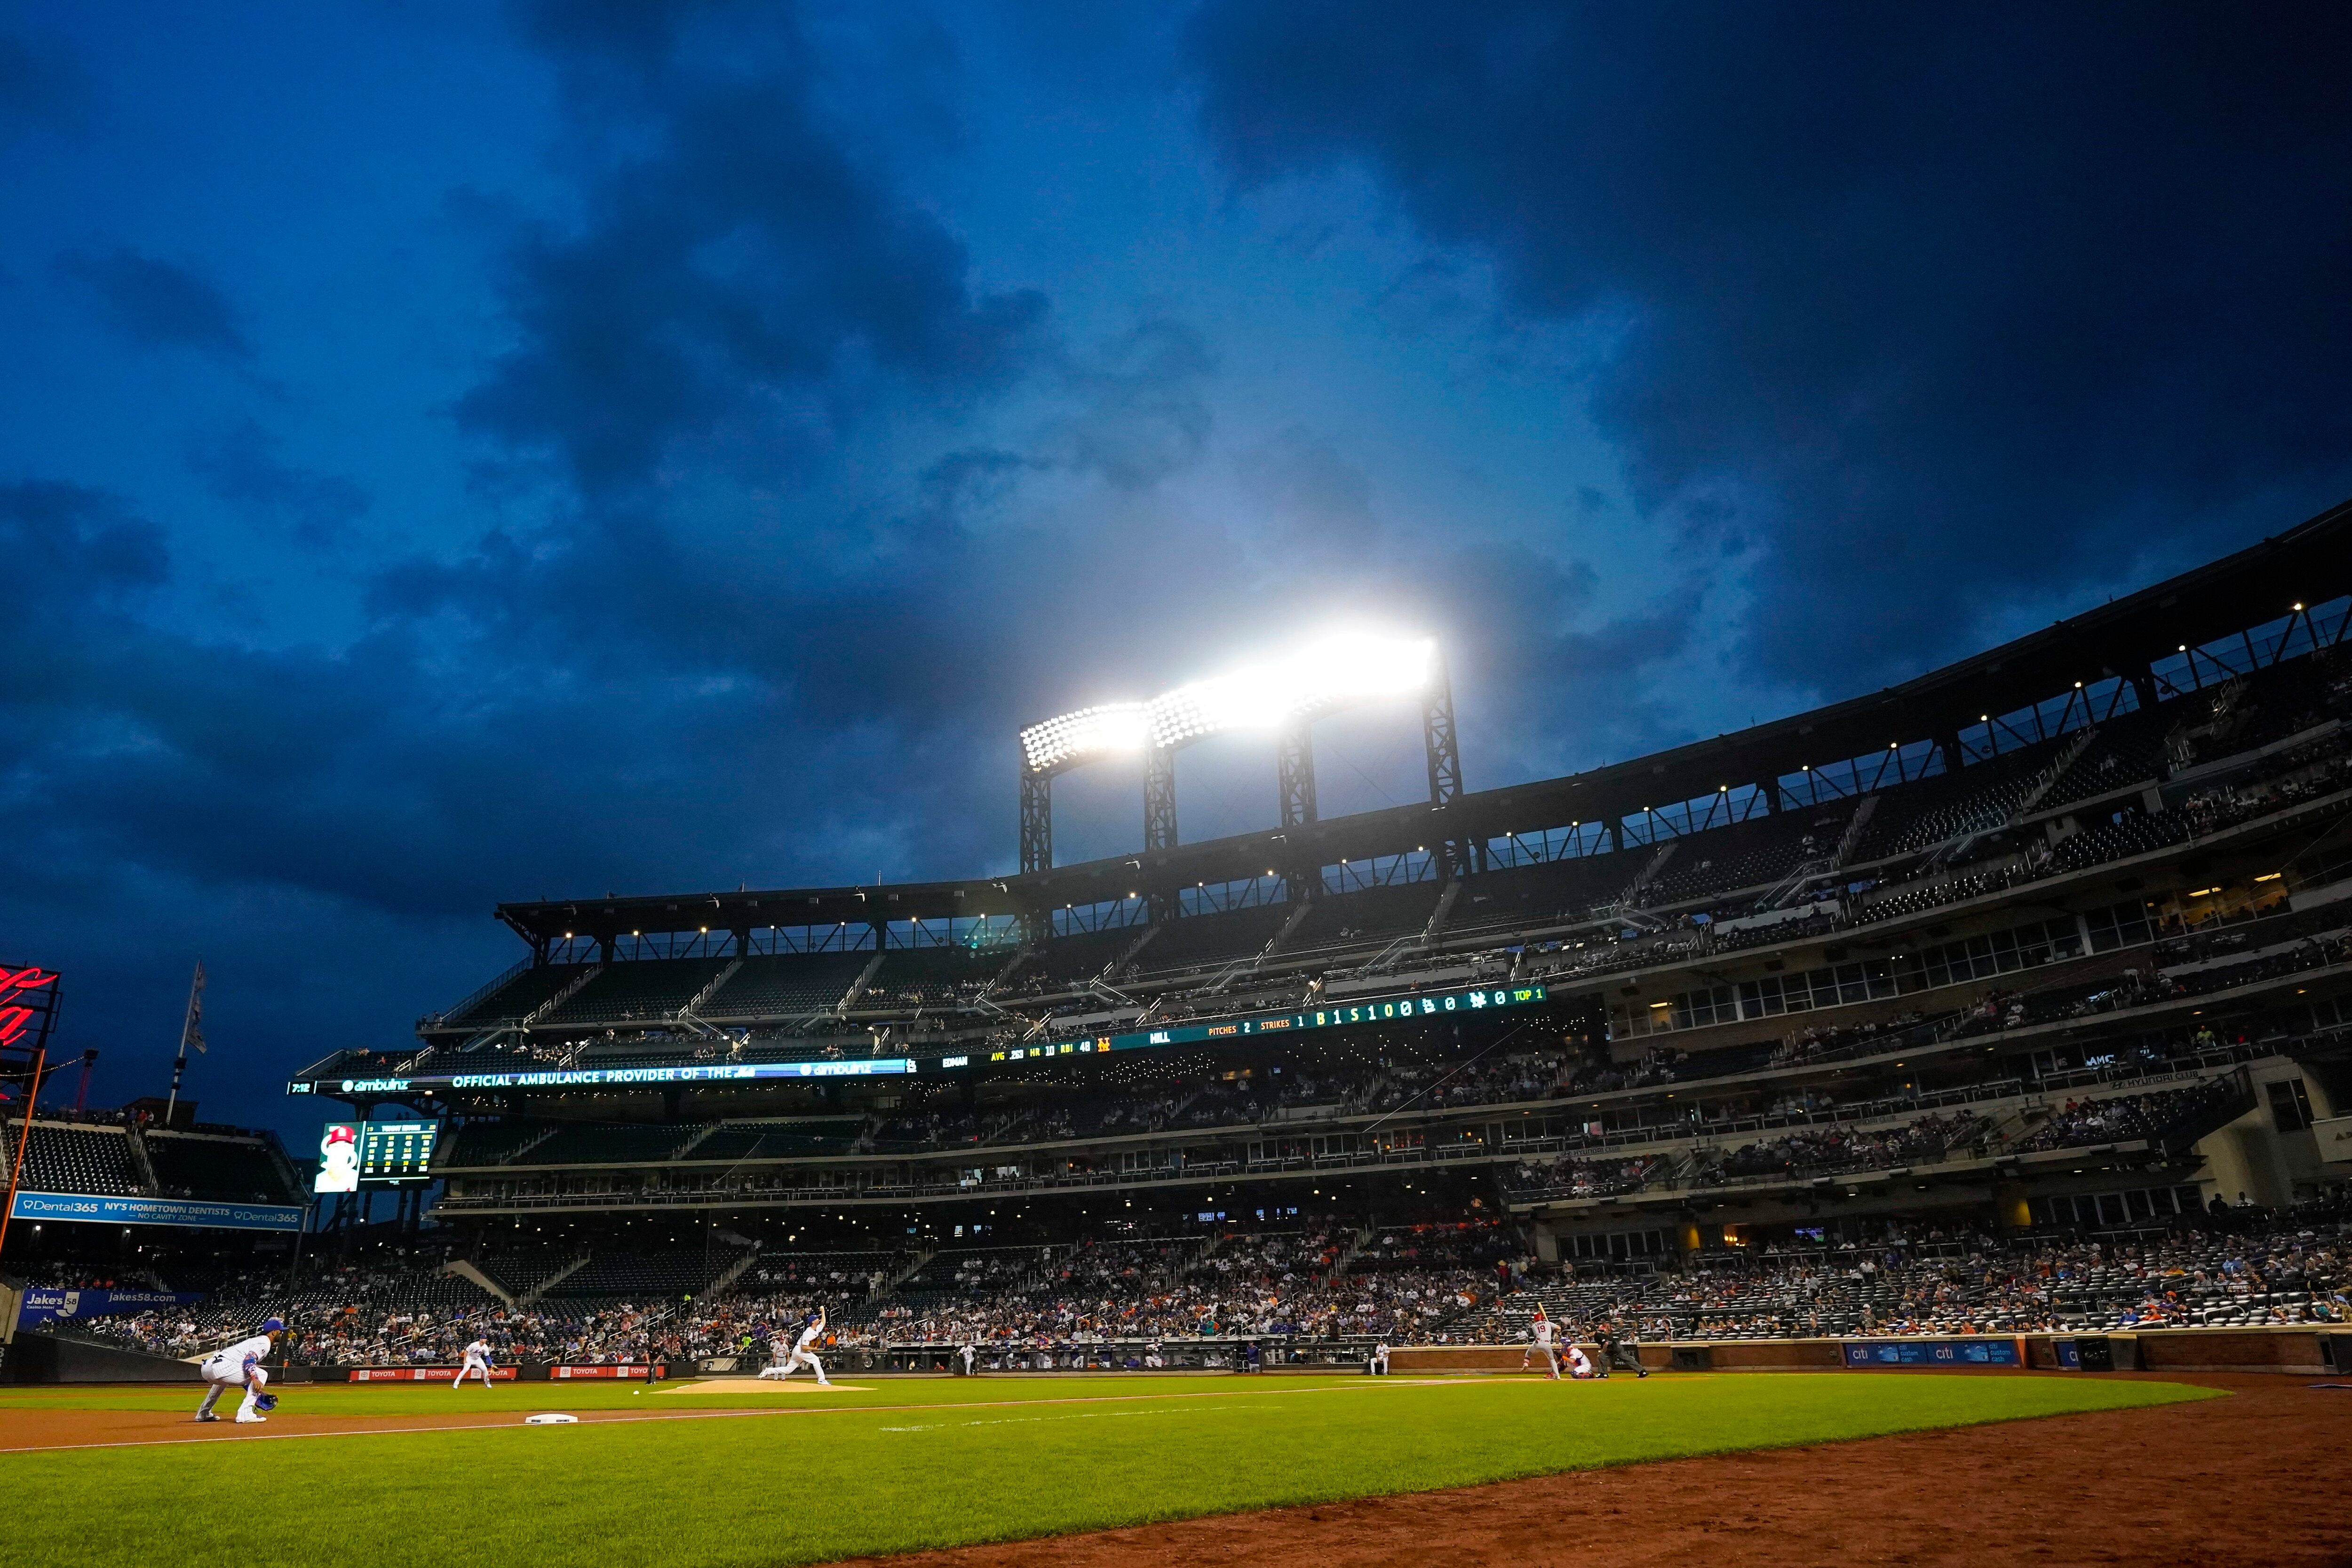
x=609 y=1077
x=1394 y=1010
x=1310 y=681
x=1340 y=1015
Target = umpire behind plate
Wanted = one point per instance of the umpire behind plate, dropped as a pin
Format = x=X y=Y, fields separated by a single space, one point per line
x=1622 y=1352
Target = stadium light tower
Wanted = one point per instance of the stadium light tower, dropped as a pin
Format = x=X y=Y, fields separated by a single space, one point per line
x=1282 y=697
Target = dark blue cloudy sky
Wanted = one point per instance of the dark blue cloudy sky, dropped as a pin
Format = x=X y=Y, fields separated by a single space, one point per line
x=451 y=453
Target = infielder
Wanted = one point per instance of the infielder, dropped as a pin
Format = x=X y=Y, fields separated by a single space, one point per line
x=477 y=1359
x=803 y=1355
x=239 y=1366
x=1540 y=1333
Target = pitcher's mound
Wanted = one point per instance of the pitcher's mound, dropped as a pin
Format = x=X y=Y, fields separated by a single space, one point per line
x=767 y=1385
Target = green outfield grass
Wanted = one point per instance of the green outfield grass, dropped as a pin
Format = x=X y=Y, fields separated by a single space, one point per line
x=909 y=1464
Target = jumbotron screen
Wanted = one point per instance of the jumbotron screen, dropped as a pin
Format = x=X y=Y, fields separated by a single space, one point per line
x=388 y=1151
x=396 y=1151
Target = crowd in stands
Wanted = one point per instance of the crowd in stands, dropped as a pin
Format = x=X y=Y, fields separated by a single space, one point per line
x=1280 y=1285
x=1660 y=1064
x=2121 y=1118
x=1433 y=1086
x=1433 y=1283
x=1819 y=1042
x=1826 y=1136
x=1568 y=1177
x=1816 y=1151
x=399 y=1308
x=2280 y=1272
x=1820 y=1118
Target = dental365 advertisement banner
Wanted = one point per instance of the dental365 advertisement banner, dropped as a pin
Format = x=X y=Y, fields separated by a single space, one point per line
x=194 y=1213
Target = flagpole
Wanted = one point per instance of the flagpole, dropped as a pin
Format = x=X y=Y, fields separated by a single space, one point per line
x=189 y=1032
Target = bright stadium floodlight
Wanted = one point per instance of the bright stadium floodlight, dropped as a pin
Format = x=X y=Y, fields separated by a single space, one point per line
x=1332 y=673
x=1090 y=732
x=1348 y=668
x=1281 y=696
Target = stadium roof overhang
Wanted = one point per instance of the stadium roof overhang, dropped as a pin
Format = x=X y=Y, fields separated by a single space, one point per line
x=752 y=909
x=2311 y=563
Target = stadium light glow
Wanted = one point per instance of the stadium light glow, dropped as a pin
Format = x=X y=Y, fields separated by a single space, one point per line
x=1330 y=672
x=1107 y=731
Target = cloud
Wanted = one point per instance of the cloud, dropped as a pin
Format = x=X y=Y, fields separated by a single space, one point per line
x=797 y=518
x=40 y=89
x=72 y=545
x=241 y=467
x=790 y=514
x=1143 y=409
x=738 y=285
x=1915 y=315
x=425 y=770
x=155 y=304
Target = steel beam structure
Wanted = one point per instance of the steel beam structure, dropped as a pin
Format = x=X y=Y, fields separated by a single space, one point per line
x=1294 y=772
x=1036 y=820
x=1443 y=754
x=1159 y=798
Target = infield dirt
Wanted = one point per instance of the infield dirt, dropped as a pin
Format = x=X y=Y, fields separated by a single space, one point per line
x=2256 y=1478
x=37 y=1430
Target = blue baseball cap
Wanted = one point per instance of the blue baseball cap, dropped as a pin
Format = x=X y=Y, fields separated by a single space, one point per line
x=274 y=1325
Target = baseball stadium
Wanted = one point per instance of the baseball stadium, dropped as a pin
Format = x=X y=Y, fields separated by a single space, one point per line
x=1908 y=1107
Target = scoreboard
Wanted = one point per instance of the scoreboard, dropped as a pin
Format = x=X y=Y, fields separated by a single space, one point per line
x=396 y=1151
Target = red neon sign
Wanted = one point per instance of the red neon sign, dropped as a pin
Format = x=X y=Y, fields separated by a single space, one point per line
x=16 y=989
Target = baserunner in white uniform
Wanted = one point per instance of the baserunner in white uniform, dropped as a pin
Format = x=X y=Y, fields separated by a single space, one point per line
x=477 y=1359
x=803 y=1355
x=239 y=1366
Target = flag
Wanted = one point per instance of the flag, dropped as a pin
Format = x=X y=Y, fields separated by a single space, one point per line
x=192 y=1032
